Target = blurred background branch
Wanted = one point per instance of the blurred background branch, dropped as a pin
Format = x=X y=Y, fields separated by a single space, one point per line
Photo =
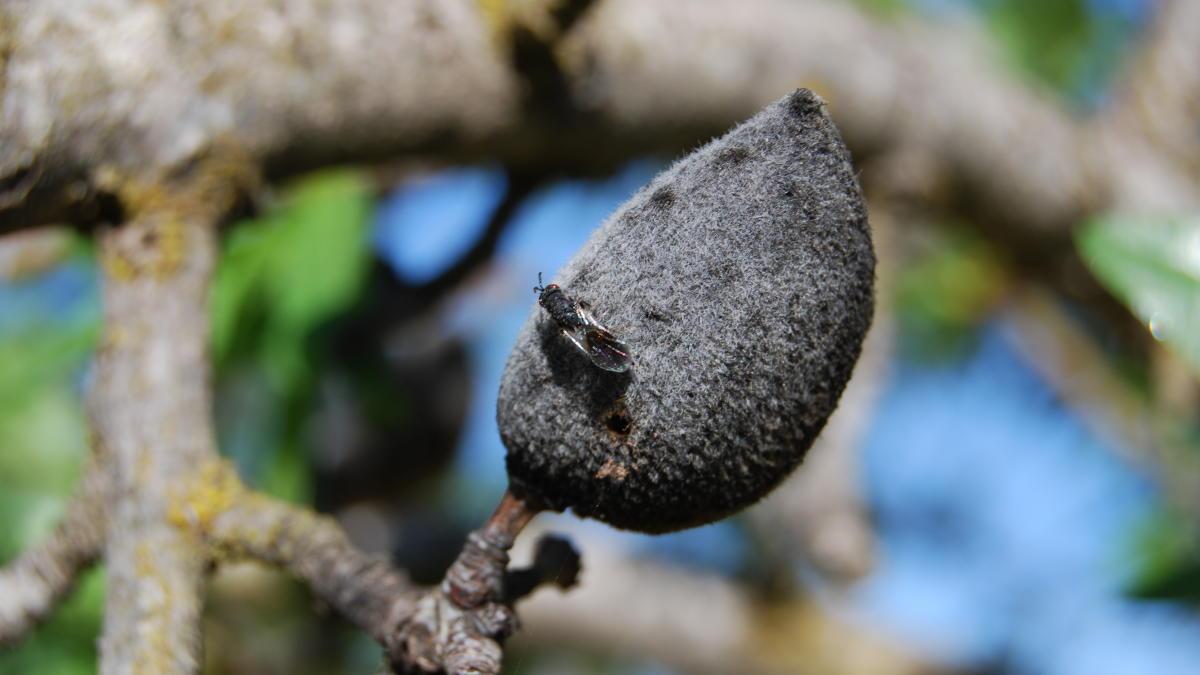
x=701 y=623
x=35 y=583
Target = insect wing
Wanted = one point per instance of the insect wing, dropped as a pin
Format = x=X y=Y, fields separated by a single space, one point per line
x=605 y=350
x=601 y=346
x=577 y=338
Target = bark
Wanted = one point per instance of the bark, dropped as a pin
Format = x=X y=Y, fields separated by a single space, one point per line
x=35 y=582
x=152 y=86
x=151 y=404
x=456 y=627
x=1159 y=99
x=365 y=589
x=148 y=87
x=29 y=253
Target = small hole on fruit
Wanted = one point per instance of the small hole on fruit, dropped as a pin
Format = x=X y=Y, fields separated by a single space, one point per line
x=619 y=423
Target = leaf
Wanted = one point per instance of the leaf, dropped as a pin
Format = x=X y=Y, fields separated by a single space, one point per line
x=283 y=275
x=319 y=253
x=1168 y=560
x=1049 y=39
x=1153 y=266
x=280 y=278
x=946 y=291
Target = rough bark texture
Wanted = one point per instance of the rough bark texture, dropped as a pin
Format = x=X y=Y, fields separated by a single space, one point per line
x=33 y=584
x=456 y=627
x=150 y=86
x=136 y=83
x=151 y=410
x=366 y=589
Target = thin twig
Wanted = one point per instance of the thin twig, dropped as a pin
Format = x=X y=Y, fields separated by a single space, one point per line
x=456 y=627
x=365 y=589
x=34 y=583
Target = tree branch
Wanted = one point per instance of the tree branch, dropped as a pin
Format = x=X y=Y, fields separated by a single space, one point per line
x=31 y=252
x=34 y=583
x=154 y=86
x=438 y=83
x=520 y=186
x=150 y=407
x=1079 y=370
x=627 y=606
x=456 y=627
x=1159 y=99
x=365 y=589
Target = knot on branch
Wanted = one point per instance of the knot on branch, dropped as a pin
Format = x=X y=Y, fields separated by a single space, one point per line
x=478 y=574
x=459 y=626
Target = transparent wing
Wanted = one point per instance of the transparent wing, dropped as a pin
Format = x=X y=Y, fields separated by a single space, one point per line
x=602 y=348
x=577 y=338
x=605 y=350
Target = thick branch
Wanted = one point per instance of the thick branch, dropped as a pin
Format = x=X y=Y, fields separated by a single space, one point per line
x=1160 y=96
x=1071 y=361
x=150 y=405
x=157 y=84
x=34 y=583
x=151 y=86
x=31 y=252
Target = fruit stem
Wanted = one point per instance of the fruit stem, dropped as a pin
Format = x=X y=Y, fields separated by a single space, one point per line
x=477 y=576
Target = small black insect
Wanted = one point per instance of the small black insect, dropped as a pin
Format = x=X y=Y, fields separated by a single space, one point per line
x=576 y=321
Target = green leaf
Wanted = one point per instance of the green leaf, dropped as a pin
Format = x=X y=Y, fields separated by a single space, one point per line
x=319 y=270
x=1049 y=39
x=1153 y=266
x=945 y=291
x=287 y=273
x=280 y=278
x=1168 y=560
x=885 y=8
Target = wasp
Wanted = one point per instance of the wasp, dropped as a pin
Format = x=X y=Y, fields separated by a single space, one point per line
x=575 y=319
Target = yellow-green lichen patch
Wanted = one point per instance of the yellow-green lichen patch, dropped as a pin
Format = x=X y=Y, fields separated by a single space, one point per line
x=117 y=267
x=205 y=497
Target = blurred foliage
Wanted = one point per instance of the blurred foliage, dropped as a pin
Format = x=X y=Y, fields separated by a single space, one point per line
x=1169 y=560
x=1073 y=46
x=945 y=292
x=1054 y=40
x=884 y=7
x=1153 y=266
x=280 y=278
x=42 y=446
